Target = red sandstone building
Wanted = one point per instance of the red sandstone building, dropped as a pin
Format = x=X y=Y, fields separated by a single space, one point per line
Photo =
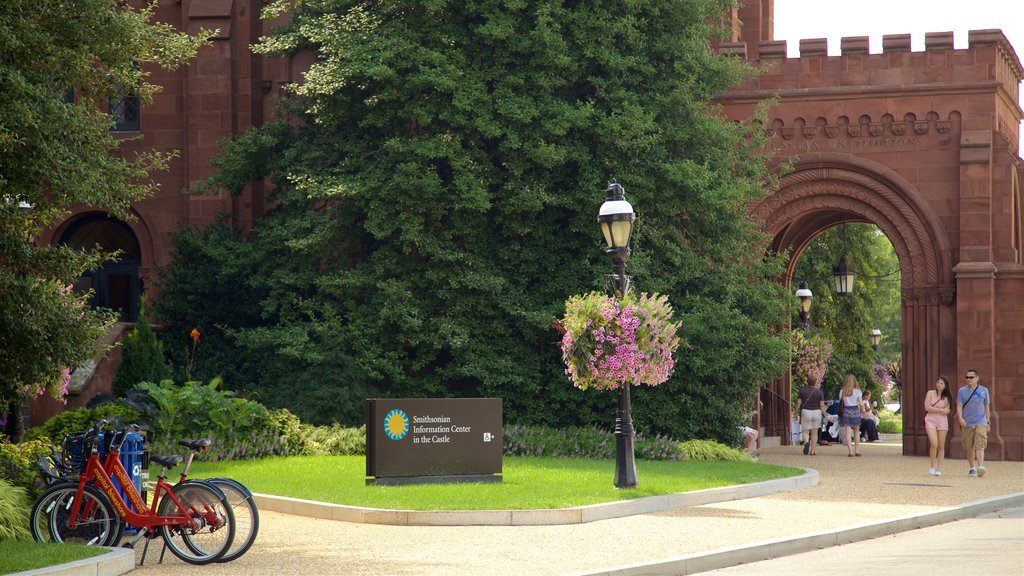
x=923 y=145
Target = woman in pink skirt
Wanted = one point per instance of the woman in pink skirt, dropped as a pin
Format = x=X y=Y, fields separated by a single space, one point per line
x=937 y=404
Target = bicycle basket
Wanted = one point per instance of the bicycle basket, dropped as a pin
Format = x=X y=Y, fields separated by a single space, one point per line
x=74 y=451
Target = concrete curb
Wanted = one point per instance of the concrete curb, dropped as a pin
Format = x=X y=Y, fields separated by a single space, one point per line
x=556 y=516
x=735 y=555
x=114 y=563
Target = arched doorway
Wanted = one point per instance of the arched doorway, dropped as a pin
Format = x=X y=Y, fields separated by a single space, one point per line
x=826 y=190
x=116 y=284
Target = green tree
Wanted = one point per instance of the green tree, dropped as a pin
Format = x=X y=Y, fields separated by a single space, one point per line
x=142 y=357
x=437 y=186
x=60 y=62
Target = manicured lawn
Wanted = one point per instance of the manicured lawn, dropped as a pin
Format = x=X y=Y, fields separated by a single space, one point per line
x=22 y=556
x=527 y=482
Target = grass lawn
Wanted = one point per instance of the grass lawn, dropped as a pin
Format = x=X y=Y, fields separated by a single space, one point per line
x=22 y=556
x=527 y=482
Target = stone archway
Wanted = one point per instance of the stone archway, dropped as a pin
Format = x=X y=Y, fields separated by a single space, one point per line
x=828 y=189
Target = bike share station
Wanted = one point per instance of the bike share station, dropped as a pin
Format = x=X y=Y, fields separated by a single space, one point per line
x=133 y=456
x=433 y=440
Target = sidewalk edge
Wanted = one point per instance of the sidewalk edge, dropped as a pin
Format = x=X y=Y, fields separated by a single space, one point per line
x=731 y=556
x=548 y=517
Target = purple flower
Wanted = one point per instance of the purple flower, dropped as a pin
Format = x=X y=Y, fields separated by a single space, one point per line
x=609 y=343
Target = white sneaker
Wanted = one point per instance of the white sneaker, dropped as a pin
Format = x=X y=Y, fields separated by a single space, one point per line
x=938 y=473
x=972 y=473
x=981 y=471
x=931 y=471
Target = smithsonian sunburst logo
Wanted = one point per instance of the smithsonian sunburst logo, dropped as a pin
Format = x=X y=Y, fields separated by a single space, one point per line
x=396 y=424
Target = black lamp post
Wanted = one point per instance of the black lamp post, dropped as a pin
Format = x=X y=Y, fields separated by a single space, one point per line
x=804 y=294
x=616 y=219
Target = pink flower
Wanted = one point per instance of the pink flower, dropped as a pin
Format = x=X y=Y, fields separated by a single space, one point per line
x=608 y=343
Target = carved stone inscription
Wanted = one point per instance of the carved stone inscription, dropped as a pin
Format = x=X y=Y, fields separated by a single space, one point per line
x=849 y=145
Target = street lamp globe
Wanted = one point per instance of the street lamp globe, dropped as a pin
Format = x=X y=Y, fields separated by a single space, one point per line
x=876 y=338
x=804 y=294
x=616 y=218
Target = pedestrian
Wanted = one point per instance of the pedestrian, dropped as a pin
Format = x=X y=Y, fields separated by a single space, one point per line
x=849 y=404
x=972 y=409
x=937 y=405
x=812 y=408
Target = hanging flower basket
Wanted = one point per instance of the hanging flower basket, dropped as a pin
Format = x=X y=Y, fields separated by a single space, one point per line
x=609 y=342
x=810 y=357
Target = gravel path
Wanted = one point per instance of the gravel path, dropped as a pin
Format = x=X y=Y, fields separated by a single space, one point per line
x=881 y=484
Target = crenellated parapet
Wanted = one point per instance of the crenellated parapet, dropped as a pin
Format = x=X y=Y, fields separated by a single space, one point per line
x=989 y=58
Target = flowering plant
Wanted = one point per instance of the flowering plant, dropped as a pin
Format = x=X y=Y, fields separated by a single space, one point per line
x=609 y=342
x=810 y=357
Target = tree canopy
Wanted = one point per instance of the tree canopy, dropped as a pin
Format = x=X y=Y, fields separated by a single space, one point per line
x=437 y=182
x=60 y=62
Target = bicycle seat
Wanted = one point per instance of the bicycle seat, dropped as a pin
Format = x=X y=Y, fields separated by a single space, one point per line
x=166 y=461
x=195 y=445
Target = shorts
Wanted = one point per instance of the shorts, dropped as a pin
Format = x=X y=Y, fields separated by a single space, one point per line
x=975 y=438
x=810 y=419
x=936 y=421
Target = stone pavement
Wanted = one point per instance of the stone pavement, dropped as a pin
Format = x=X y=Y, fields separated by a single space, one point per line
x=856 y=498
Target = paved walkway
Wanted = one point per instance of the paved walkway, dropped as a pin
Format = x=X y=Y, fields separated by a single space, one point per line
x=994 y=541
x=856 y=498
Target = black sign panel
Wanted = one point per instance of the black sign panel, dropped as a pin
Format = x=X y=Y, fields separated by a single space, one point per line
x=433 y=436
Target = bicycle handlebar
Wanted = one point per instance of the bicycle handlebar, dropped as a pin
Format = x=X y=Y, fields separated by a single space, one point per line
x=96 y=429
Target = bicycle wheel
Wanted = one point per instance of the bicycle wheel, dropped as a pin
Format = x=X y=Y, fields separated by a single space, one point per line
x=210 y=526
x=247 y=516
x=97 y=524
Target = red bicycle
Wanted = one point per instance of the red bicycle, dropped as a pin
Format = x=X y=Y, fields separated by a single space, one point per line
x=193 y=517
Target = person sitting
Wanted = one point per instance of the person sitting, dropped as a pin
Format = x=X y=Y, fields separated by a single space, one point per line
x=749 y=441
x=827 y=437
x=869 y=420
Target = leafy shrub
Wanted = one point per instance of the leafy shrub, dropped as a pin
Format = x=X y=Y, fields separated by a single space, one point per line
x=582 y=442
x=334 y=440
x=81 y=419
x=18 y=463
x=229 y=445
x=238 y=428
x=889 y=423
x=711 y=450
x=14 y=512
x=195 y=409
x=142 y=358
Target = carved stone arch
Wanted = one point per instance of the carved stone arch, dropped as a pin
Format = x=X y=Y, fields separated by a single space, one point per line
x=827 y=189
x=860 y=190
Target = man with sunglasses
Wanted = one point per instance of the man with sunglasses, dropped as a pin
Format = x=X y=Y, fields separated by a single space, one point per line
x=972 y=403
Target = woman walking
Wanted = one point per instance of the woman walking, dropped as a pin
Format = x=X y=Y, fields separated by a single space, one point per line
x=849 y=402
x=937 y=404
